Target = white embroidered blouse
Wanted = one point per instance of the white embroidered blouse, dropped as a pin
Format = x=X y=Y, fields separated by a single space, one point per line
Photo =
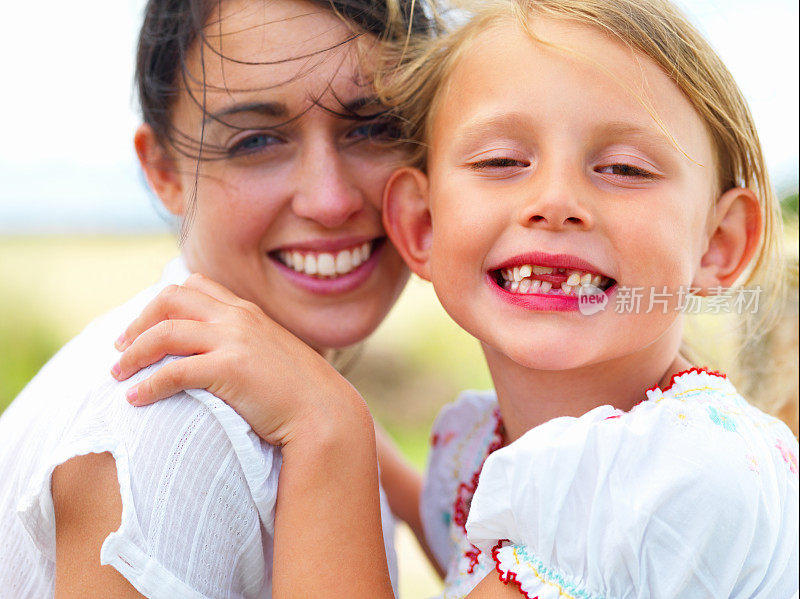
x=693 y=493
x=198 y=486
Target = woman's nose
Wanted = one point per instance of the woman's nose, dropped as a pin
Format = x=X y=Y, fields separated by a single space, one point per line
x=556 y=201
x=327 y=191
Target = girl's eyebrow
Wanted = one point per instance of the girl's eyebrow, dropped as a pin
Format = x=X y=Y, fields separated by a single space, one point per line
x=476 y=130
x=648 y=135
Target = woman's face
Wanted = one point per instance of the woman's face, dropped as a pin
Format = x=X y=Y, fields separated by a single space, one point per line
x=287 y=208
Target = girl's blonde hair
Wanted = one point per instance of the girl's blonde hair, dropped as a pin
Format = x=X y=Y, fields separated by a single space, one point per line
x=660 y=31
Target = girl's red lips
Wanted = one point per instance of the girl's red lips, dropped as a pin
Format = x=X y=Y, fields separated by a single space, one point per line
x=566 y=261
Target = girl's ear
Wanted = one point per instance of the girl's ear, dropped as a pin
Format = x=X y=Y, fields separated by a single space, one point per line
x=407 y=218
x=736 y=227
x=159 y=168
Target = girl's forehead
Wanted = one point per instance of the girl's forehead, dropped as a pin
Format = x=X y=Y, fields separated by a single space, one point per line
x=573 y=72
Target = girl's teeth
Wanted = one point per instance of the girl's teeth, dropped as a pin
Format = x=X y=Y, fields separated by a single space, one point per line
x=519 y=279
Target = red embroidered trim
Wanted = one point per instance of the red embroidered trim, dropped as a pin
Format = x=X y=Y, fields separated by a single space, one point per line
x=510 y=576
x=697 y=369
x=466 y=491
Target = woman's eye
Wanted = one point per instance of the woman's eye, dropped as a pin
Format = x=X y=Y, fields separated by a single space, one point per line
x=377 y=130
x=625 y=170
x=499 y=163
x=254 y=143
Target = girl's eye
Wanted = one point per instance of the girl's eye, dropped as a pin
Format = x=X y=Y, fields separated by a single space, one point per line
x=253 y=143
x=498 y=163
x=386 y=130
x=626 y=170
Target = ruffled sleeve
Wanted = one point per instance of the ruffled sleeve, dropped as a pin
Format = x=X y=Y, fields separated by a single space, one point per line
x=693 y=493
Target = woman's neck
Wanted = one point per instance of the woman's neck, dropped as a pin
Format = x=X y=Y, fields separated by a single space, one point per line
x=528 y=397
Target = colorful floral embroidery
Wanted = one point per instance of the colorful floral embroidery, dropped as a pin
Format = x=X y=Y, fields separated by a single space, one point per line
x=721 y=419
x=521 y=558
x=788 y=456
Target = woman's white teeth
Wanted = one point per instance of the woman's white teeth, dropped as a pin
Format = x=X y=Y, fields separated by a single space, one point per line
x=521 y=279
x=327 y=264
x=309 y=266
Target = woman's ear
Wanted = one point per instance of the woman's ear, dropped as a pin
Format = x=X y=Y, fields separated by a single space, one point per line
x=735 y=230
x=159 y=168
x=407 y=218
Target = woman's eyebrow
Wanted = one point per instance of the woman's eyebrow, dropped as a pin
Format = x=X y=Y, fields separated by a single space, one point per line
x=362 y=102
x=272 y=109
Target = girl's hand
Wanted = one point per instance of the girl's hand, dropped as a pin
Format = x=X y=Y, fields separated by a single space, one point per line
x=235 y=351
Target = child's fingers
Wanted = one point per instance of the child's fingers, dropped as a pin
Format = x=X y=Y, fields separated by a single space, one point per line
x=173 y=302
x=188 y=373
x=167 y=337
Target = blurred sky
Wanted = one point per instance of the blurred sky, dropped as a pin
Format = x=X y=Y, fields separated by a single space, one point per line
x=67 y=110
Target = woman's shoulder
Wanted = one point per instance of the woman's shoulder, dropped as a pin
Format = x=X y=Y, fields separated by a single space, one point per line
x=196 y=482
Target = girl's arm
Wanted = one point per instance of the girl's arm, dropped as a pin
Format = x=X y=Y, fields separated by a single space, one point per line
x=403 y=486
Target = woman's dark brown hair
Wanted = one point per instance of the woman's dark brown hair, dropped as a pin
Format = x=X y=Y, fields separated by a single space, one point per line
x=171 y=27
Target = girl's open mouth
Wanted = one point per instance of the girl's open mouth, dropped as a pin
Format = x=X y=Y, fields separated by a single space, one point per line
x=532 y=279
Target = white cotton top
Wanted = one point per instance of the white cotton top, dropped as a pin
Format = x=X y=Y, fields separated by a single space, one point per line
x=198 y=486
x=693 y=493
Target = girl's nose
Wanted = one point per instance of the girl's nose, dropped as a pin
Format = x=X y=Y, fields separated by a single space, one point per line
x=555 y=203
x=326 y=193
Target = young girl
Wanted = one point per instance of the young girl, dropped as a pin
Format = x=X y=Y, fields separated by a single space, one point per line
x=574 y=152
x=263 y=134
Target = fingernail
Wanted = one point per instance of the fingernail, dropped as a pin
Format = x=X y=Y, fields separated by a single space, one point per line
x=132 y=395
x=120 y=342
x=115 y=370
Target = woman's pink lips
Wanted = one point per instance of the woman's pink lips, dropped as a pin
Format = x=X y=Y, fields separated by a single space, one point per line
x=538 y=301
x=332 y=286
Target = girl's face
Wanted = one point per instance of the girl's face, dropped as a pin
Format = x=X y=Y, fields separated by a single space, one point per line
x=287 y=211
x=552 y=160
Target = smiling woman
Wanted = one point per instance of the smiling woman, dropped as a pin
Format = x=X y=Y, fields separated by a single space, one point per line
x=262 y=134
